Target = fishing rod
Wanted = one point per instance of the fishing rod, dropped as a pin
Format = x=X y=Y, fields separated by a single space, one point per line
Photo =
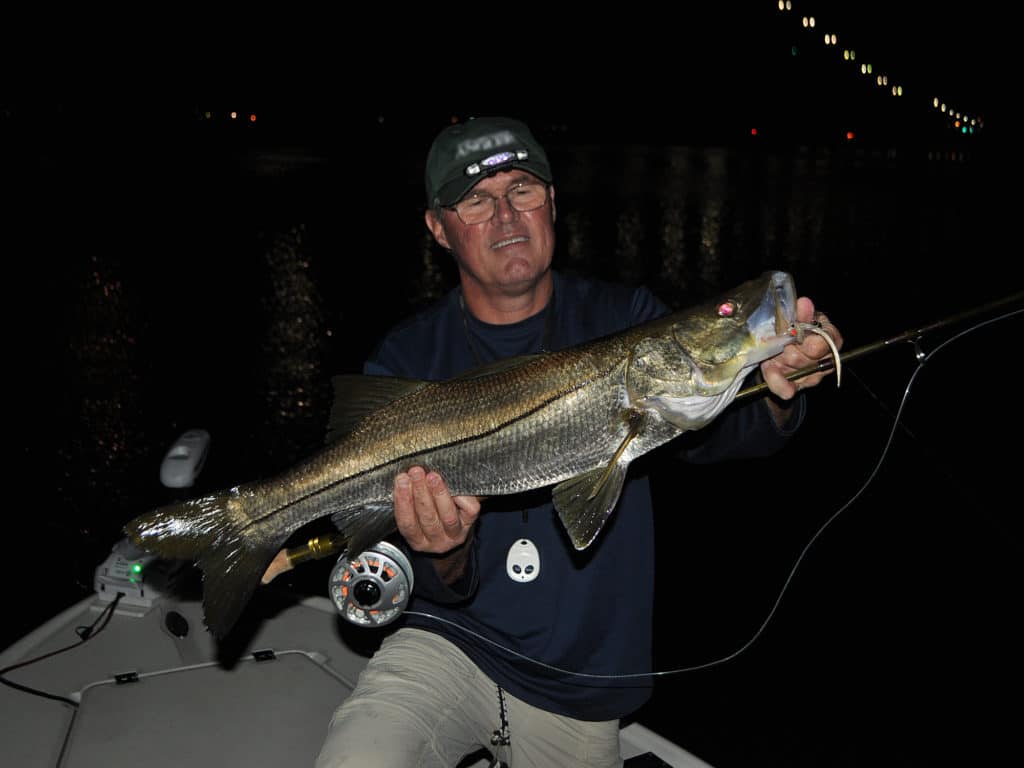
x=914 y=336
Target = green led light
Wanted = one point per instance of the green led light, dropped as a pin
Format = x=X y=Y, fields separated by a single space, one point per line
x=136 y=567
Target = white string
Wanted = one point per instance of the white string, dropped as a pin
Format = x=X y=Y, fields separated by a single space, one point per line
x=792 y=572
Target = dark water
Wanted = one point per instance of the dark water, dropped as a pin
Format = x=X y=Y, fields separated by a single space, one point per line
x=218 y=283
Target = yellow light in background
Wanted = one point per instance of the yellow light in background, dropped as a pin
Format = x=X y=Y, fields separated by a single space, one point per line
x=234 y=115
x=866 y=68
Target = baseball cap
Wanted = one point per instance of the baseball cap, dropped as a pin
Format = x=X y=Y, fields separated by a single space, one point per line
x=464 y=153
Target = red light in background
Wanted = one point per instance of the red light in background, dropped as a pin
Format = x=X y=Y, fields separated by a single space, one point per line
x=753 y=131
x=252 y=117
x=850 y=135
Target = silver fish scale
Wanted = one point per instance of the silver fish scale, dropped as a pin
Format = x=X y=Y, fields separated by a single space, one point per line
x=571 y=434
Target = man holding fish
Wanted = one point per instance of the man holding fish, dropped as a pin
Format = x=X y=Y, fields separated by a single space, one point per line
x=519 y=638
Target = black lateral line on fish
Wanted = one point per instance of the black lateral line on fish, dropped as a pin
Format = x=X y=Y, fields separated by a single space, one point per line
x=440 y=446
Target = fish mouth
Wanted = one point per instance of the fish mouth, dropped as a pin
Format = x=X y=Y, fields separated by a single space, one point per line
x=773 y=321
x=505 y=242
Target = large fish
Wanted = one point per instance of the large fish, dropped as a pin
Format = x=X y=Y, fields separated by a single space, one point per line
x=574 y=419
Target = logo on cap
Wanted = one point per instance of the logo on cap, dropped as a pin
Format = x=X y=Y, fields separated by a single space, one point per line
x=495 y=160
x=490 y=141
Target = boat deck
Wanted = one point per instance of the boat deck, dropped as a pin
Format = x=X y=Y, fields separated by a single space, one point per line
x=152 y=687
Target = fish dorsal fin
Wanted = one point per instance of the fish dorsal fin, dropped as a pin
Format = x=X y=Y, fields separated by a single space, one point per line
x=586 y=501
x=496 y=367
x=357 y=395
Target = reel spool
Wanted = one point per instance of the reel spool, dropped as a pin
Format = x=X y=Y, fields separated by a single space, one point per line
x=374 y=588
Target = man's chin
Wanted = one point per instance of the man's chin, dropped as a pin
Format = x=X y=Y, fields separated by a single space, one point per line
x=520 y=275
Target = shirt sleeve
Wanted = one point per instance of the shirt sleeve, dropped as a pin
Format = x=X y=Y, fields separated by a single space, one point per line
x=427 y=583
x=745 y=431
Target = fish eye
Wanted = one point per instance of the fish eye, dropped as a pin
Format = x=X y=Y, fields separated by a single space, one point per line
x=727 y=308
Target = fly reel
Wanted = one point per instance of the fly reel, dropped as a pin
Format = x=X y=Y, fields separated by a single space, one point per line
x=373 y=588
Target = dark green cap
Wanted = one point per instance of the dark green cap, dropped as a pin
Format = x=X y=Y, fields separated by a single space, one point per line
x=464 y=153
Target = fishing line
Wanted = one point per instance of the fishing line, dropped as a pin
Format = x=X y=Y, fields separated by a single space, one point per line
x=922 y=358
x=85 y=633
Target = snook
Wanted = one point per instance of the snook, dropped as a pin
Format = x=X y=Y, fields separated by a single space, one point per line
x=574 y=419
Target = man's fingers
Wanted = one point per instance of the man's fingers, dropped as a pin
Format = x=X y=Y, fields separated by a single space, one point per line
x=447 y=512
x=405 y=511
x=424 y=503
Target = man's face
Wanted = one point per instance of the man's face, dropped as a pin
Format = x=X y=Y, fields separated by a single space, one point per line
x=510 y=252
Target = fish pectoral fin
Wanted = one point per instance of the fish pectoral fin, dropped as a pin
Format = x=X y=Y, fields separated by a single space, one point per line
x=586 y=501
x=357 y=395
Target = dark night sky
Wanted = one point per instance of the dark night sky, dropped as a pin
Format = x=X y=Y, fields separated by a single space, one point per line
x=701 y=73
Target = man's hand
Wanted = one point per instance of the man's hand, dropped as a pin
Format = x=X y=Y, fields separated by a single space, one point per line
x=428 y=516
x=797 y=356
x=434 y=521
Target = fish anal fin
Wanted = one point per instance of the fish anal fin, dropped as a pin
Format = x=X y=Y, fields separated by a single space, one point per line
x=357 y=395
x=365 y=527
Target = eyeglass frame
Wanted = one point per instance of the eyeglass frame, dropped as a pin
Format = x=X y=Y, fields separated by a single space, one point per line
x=494 y=201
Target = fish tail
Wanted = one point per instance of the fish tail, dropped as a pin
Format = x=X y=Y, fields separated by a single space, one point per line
x=220 y=534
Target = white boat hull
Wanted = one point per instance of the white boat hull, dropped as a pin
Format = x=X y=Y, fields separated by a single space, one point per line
x=153 y=689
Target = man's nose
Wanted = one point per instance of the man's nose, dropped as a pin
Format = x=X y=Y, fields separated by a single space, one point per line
x=503 y=208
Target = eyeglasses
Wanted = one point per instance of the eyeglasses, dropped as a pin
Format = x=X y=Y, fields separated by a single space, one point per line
x=480 y=207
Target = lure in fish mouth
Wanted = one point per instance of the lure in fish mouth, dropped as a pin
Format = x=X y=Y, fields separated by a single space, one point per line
x=573 y=419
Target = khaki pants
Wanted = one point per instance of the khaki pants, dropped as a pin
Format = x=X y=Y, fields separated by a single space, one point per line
x=421 y=702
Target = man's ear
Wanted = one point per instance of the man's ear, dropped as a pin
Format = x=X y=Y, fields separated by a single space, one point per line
x=436 y=227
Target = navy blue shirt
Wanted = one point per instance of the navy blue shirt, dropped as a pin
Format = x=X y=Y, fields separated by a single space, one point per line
x=582 y=613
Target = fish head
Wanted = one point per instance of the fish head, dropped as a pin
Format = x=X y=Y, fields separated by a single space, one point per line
x=693 y=368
